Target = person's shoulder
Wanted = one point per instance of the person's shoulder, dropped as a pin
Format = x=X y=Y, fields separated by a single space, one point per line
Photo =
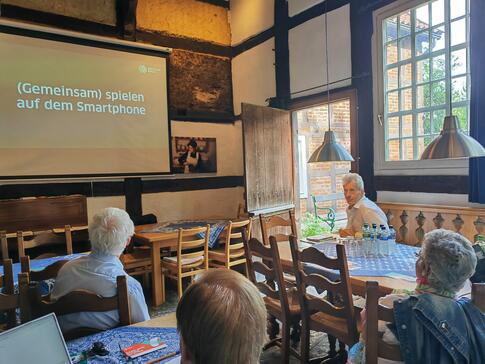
x=73 y=264
x=133 y=285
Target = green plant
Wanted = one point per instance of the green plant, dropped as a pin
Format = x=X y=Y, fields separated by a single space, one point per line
x=311 y=226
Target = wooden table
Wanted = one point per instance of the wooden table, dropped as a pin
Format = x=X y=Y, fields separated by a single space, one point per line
x=386 y=284
x=168 y=240
x=168 y=320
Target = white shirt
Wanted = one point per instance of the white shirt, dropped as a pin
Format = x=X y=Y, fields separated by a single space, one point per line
x=97 y=273
x=365 y=211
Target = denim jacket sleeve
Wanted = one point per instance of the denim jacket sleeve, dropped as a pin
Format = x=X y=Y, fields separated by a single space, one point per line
x=435 y=329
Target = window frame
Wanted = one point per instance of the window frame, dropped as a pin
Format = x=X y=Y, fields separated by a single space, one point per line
x=403 y=167
x=302 y=175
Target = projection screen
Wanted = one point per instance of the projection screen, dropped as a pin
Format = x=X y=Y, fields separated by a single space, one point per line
x=77 y=107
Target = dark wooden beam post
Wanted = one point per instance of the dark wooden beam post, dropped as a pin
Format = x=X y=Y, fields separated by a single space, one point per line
x=282 y=56
x=133 y=188
x=126 y=18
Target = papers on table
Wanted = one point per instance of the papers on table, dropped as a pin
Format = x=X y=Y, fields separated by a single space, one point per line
x=319 y=238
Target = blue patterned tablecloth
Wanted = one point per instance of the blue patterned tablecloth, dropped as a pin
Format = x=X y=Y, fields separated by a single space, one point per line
x=401 y=263
x=126 y=336
x=217 y=227
x=39 y=264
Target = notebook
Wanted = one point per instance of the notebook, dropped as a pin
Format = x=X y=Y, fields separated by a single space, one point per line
x=39 y=341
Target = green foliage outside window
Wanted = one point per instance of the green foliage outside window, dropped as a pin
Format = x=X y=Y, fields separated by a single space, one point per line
x=311 y=226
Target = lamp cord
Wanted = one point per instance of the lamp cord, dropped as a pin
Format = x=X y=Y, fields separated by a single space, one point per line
x=326 y=64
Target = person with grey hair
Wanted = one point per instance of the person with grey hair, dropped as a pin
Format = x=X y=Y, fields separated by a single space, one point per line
x=109 y=232
x=361 y=210
x=434 y=325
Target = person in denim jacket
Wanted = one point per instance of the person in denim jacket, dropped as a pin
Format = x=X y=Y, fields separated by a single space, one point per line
x=433 y=325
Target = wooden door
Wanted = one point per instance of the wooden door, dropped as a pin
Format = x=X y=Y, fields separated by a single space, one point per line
x=268 y=158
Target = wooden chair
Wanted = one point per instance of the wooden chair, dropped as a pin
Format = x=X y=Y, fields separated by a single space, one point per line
x=280 y=303
x=8 y=303
x=320 y=313
x=21 y=218
x=138 y=261
x=478 y=295
x=277 y=221
x=192 y=256
x=374 y=345
x=81 y=301
x=22 y=244
x=9 y=300
x=232 y=253
x=48 y=272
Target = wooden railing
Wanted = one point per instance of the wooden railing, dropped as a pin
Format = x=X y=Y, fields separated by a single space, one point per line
x=412 y=221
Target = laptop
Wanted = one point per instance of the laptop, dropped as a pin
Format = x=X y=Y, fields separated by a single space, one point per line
x=38 y=341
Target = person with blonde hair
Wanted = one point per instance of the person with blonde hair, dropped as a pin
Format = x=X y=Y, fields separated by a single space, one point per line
x=221 y=318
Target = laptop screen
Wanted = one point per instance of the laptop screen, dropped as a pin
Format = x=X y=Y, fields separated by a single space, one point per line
x=38 y=341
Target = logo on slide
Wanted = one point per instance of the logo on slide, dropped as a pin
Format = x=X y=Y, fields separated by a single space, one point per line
x=145 y=69
x=142 y=68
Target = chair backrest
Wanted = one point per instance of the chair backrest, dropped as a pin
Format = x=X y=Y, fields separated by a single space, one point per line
x=478 y=295
x=311 y=304
x=278 y=221
x=22 y=244
x=40 y=214
x=234 y=236
x=9 y=299
x=375 y=346
x=270 y=268
x=48 y=272
x=82 y=301
x=192 y=247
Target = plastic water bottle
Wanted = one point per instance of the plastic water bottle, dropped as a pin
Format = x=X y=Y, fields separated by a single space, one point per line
x=373 y=238
x=383 y=241
x=392 y=240
x=366 y=240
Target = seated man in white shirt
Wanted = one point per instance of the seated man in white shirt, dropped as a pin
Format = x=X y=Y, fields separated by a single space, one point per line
x=361 y=210
x=109 y=232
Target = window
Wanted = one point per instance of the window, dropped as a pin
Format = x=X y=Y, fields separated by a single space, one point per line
x=324 y=180
x=423 y=49
x=302 y=175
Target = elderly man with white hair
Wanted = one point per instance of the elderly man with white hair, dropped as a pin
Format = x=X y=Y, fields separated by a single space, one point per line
x=109 y=232
x=361 y=210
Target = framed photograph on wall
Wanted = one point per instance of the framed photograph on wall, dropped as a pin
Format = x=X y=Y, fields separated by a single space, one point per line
x=194 y=155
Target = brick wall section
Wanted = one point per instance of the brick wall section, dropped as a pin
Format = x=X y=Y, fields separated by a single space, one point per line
x=324 y=178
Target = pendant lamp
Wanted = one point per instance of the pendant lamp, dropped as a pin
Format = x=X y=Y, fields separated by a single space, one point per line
x=330 y=150
x=452 y=142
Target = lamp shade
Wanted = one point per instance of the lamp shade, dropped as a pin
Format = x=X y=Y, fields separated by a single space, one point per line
x=453 y=143
x=330 y=150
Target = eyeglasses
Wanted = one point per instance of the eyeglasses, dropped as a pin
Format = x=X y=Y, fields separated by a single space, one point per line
x=418 y=254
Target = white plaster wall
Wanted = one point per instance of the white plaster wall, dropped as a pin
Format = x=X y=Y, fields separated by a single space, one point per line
x=250 y=17
x=307 y=53
x=253 y=76
x=297 y=6
x=204 y=204
x=230 y=160
x=96 y=204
